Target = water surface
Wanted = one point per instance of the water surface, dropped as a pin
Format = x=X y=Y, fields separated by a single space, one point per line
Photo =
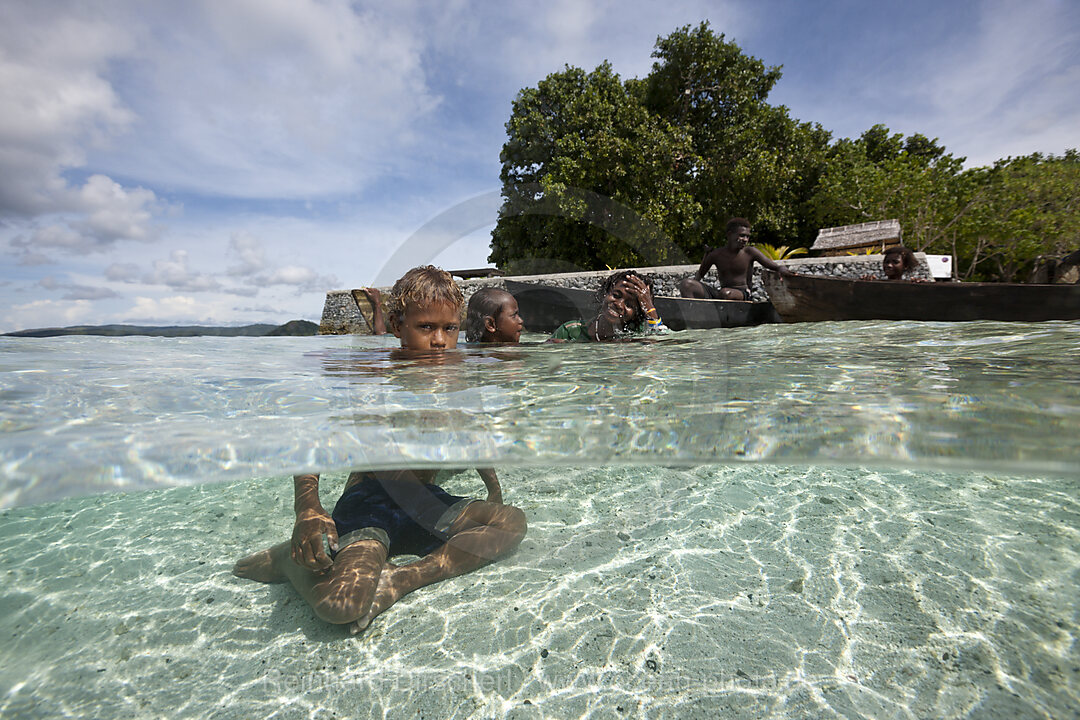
x=829 y=520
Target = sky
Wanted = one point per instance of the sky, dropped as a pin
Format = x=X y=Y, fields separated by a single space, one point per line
x=230 y=161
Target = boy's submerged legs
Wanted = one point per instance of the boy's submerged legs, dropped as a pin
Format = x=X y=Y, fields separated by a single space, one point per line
x=483 y=533
x=341 y=594
x=361 y=584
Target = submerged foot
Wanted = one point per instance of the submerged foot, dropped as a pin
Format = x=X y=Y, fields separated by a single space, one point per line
x=260 y=567
x=387 y=592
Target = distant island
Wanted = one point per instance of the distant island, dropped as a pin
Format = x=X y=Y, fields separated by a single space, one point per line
x=293 y=327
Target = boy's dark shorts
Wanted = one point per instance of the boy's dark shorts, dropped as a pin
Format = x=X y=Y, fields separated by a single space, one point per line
x=408 y=517
x=715 y=294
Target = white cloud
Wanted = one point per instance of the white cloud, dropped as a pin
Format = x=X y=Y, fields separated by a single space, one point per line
x=988 y=79
x=57 y=236
x=1012 y=89
x=250 y=251
x=280 y=99
x=182 y=309
x=48 y=313
x=87 y=292
x=179 y=309
x=123 y=272
x=107 y=213
x=113 y=213
x=303 y=278
x=175 y=273
x=242 y=291
x=56 y=102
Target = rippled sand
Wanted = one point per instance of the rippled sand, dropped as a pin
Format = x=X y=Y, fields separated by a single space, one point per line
x=737 y=591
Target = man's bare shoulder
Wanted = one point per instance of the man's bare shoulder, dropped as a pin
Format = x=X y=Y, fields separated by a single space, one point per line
x=715 y=254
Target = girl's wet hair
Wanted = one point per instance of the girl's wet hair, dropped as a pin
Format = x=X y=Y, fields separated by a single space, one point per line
x=638 y=323
x=423 y=286
x=486 y=302
x=906 y=255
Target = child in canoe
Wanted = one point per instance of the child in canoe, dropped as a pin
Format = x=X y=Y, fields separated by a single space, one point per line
x=898 y=261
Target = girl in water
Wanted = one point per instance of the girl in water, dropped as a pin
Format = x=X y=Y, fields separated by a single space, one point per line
x=626 y=306
x=492 y=317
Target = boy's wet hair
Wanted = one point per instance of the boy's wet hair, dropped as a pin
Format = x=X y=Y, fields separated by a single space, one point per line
x=906 y=254
x=423 y=286
x=736 y=222
x=485 y=302
x=638 y=323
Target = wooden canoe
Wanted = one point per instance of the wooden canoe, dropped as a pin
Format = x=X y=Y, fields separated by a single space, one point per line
x=805 y=298
x=545 y=307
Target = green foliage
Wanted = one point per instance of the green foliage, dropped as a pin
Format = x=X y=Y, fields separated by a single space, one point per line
x=1019 y=212
x=779 y=253
x=583 y=160
x=599 y=172
x=687 y=147
x=882 y=176
x=998 y=222
x=754 y=159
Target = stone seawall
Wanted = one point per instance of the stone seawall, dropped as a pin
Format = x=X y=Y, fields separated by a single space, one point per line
x=342 y=313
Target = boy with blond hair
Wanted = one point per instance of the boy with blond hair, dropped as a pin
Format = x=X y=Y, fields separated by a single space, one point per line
x=340 y=563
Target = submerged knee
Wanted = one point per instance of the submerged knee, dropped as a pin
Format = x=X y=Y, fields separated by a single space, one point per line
x=513 y=523
x=516 y=520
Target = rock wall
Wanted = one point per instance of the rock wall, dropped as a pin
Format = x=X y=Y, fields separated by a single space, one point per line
x=341 y=315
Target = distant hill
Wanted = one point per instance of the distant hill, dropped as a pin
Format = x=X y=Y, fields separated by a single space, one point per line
x=296 y=327
x=293 y=327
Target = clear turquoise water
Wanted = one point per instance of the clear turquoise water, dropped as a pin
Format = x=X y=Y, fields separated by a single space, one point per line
x=833 y=520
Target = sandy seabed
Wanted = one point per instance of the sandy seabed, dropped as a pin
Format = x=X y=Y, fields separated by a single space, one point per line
x=717 y=591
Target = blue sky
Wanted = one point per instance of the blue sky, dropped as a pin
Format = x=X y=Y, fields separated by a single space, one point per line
x=228 y=161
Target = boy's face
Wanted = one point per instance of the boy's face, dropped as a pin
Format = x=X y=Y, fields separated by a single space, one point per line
x=738 y=237
x=431 y=327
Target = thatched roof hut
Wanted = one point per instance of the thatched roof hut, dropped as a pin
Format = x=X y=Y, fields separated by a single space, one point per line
x=856 y=239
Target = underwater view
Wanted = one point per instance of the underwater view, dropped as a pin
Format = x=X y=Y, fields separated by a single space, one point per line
x=829 y=520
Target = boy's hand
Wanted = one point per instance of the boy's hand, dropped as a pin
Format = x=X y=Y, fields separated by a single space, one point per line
x=307 y=540
x=491 y=482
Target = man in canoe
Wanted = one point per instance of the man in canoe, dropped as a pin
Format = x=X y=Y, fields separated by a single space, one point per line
x=734 y=264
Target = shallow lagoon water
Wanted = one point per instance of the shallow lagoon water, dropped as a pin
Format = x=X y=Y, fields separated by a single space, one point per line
x=849 y=520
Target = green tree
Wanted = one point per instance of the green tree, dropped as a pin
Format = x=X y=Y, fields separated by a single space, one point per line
x=1021 y=211
x=753 y=159
x=589 y=178
x=687 y=147
x=881 y=175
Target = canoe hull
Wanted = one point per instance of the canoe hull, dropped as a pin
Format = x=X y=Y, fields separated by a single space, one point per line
x=545 y=307
x=805 y=298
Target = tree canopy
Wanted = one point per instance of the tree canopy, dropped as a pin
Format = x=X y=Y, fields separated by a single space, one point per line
x=597 y=171
x=583 y=156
